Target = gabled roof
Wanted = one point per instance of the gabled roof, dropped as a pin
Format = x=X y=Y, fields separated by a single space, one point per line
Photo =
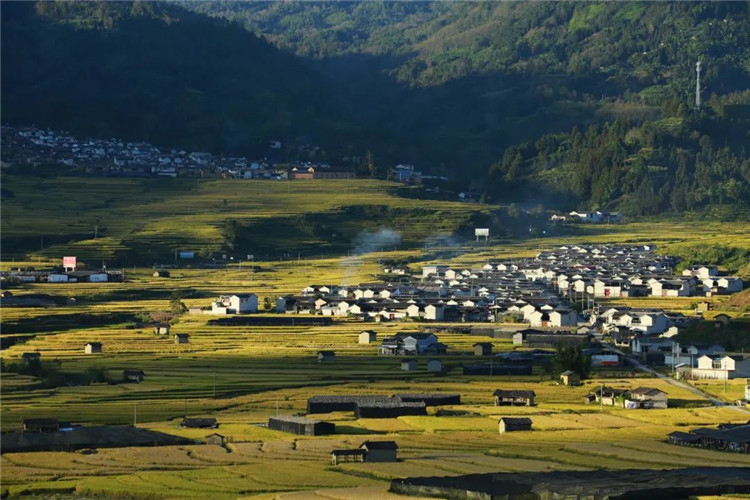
x=516 y=420
x=379 y=445
x=514 y=393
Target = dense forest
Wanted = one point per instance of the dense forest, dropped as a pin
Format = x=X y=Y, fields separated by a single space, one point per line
x=572 y=104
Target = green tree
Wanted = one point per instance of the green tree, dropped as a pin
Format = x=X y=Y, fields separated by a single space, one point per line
x=569 y=357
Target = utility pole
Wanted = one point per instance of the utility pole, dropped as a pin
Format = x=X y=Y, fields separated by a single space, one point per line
x=214 y=384
x=135 y=414
x=698 y=85
x=601 y=397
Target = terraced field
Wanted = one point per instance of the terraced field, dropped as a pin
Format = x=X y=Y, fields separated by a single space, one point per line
x=243 y=375
x=149 y=219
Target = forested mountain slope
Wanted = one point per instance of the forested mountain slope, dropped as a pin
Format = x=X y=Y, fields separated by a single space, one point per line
x=571 y=104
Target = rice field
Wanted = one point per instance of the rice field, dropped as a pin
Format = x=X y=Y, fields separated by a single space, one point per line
x=243 y=375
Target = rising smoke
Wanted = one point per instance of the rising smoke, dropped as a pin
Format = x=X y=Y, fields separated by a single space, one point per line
x=367 y=242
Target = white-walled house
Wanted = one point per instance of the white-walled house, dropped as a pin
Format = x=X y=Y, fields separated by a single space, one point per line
x=670 y=288
x=434 y=312
x=723 y=366
x=722 y=285
x=701 y=272
x=239 y=303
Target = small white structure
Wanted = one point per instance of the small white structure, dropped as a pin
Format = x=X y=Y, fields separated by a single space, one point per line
x=367 y=337
x=93 y=348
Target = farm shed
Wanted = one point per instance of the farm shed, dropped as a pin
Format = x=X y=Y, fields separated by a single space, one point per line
x=434 y=366
x=41 y=425
x=430 y=399
x=727 y=437
x=199 y=423
x=343 y=456
x=31 y=358
x=216 y=439
x=606 y=395
x=570 y=378
x=135 y=376
x=182 y=338
x=649 y=397
x=482 y=349
x=408 y=365
x=161 y=273
x=367 y=337
x=498 y=369
x=389 y=409
x=514 y=398
x=683 y=438
x=326 y=356
x=162 y=329
x=301 y=425
x=512 y=424
x=380 y=451
x=92 y=348
x=328 y=404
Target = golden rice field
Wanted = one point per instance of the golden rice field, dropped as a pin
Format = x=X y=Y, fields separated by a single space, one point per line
x=243 y=375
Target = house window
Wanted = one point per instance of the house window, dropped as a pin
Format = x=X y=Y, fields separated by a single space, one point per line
x=717 y=365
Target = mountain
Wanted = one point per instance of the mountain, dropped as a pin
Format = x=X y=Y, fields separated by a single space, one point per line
x=569 y=104
x=157 y=73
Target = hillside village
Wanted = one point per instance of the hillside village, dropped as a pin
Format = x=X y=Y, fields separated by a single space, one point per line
x=29 y=146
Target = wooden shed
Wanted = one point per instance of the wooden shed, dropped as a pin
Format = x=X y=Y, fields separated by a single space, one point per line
x=434 y=366
x=513 y=424
x=326 y=356
x=93 y=348
x=216 y=439
x=343 y=456
x=514 y=398
x=162 y=329
x=199 y=423
x=301 y=425
x=380 y=451
x=368 y=337
x=181 y=338
x=570 y=378
x=41 y=425
x=31 y=358
x=408 y=365
x=482 y=349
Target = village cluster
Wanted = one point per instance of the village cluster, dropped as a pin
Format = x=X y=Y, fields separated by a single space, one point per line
x=557 y=293
x=117 y=158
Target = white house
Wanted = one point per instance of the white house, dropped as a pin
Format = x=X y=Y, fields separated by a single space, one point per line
x=701 y=272
x=434 y=312
x=723 y=366
x=722 y=285
x=670 y=288
x=240 y=303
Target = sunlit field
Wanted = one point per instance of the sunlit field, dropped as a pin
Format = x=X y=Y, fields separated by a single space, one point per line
x=243 y=375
